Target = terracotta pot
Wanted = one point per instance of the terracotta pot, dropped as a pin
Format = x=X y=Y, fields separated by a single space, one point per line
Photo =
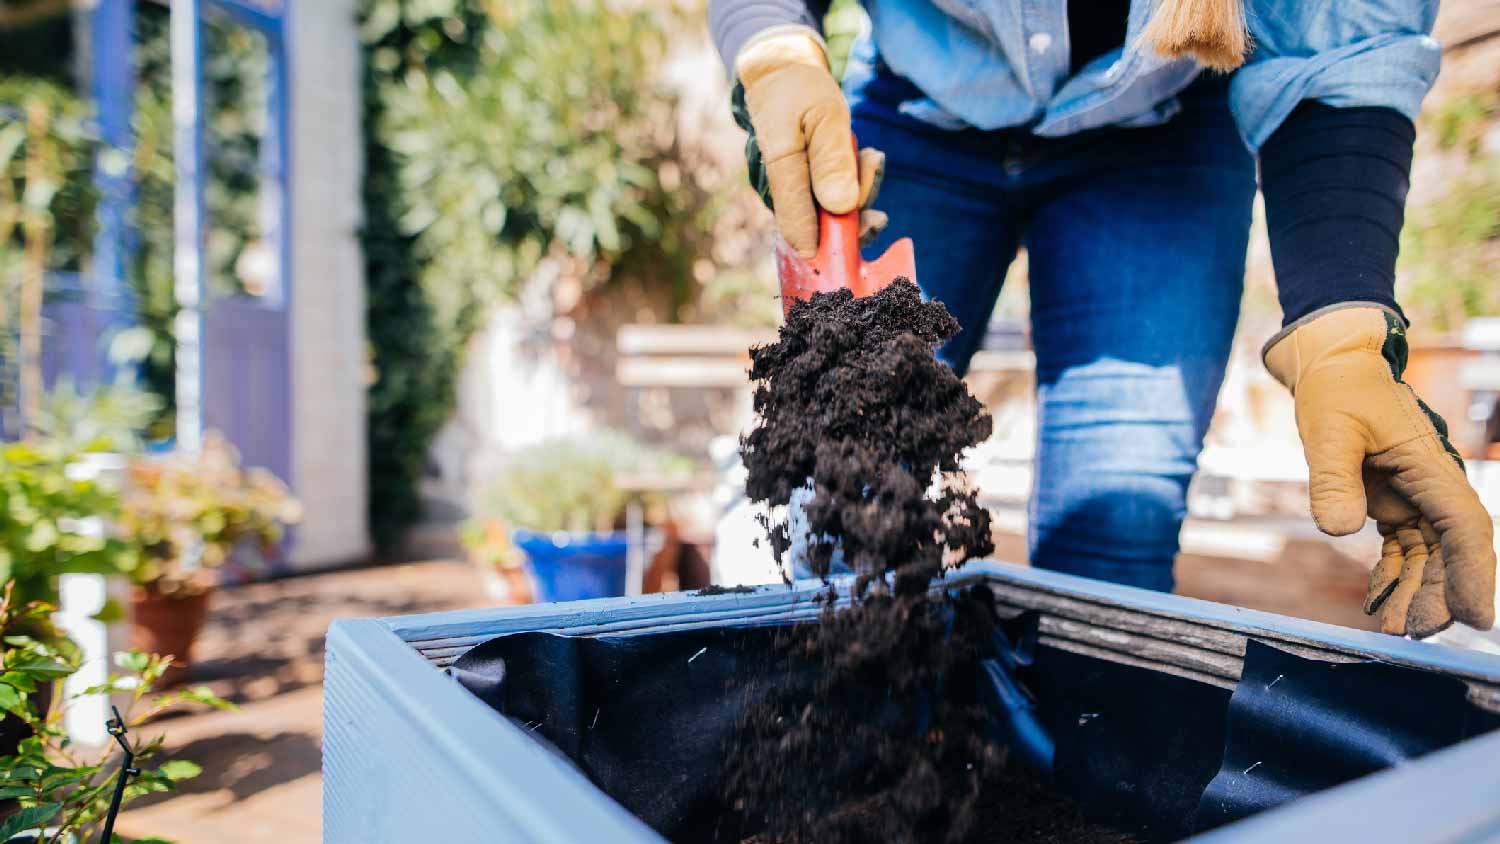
x=168 y=625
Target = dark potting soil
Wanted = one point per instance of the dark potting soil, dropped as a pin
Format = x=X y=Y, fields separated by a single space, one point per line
x=852 y=397
x=888 y=742
x=1016 y=808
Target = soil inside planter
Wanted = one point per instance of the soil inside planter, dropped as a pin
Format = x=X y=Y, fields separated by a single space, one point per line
x=1013 y=807
x=891 y=744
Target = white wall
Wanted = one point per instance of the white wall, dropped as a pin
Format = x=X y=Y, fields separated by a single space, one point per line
x=328 y=305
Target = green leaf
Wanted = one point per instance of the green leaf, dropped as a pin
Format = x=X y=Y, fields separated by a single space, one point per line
x=201 y=694
x=10 y=791
x=44 y=667
x=29 y=818
x=179 y=769
x=11 y=700
x=20 y=681
x=25 y=772
x=133 y=661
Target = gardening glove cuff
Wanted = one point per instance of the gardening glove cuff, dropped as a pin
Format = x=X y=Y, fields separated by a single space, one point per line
x=1374 y=448
x=800 y=151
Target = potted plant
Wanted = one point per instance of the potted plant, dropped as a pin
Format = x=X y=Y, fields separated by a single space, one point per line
x=189 y=514
x=561 y=505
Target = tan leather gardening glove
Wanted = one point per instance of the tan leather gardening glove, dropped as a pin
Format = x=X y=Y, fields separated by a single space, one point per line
x=1374 y=448
x=801 y=149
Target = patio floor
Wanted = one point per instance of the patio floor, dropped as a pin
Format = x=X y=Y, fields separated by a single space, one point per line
x=263 y=649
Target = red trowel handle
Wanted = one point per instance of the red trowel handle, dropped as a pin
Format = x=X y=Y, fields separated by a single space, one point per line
x=838 y=264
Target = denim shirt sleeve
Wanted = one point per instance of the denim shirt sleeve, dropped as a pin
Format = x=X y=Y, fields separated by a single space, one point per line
x=1338 y=52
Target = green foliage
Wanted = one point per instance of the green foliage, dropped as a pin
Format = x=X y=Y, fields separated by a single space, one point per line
x=499 y=136
x=1450 y=248
x=574 y=484
x=65 y=192
x=53 y=517
x=57 y=789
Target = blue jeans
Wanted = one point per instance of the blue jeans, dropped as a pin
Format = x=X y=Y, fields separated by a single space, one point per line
x=1136 y=245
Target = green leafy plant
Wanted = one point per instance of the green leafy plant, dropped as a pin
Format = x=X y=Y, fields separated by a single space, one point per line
x=54 y=519
x=188 y=513
x=576 y=484
x=61 y=793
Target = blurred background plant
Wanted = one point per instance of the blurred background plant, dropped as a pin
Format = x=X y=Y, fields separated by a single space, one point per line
x=189 y=513
x=1450 y=246
x=577 y=485
x=501 y=137
x=46 y=206
x=110 y=417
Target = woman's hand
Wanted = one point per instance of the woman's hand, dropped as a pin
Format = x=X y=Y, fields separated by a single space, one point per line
x=801 y=149
x=1374 y=448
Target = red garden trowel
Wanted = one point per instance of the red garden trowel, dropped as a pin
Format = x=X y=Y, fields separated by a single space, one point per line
x=838 y=264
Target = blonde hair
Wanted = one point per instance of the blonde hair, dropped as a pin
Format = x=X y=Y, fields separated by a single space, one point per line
x=1210 y=31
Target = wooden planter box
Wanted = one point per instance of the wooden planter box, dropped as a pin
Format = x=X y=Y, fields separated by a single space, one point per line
x=409 y=755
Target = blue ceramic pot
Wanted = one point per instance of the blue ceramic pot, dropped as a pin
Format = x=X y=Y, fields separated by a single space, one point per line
x=574 y=566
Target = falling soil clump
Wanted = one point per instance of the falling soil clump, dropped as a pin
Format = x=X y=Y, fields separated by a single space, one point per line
x=852 y=400
x=890 y=744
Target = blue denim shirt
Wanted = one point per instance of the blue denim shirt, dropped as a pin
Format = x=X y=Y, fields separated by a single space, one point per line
x=996 y=63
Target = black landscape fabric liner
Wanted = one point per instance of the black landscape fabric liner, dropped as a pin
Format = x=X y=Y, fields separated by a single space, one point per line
x=646 y=717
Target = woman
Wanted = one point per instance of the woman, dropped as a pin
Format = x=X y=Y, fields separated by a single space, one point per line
x=1118 y=141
